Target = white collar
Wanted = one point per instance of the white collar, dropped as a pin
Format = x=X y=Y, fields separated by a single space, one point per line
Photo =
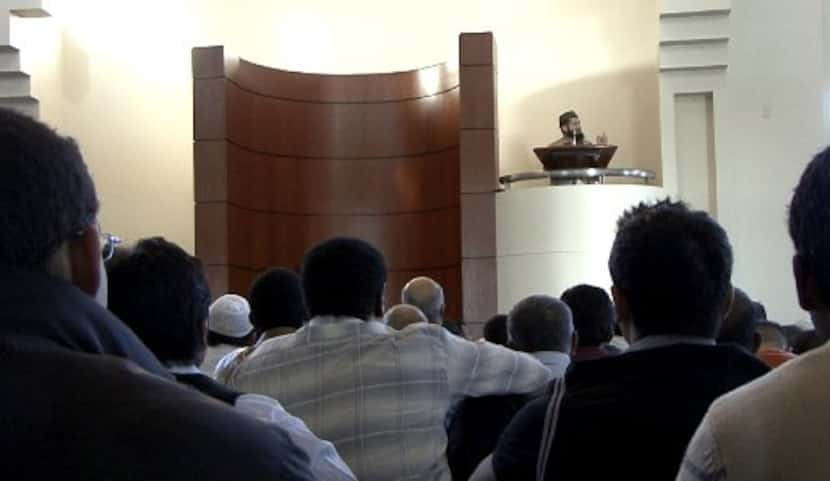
x=652 y=342
x=557 y=362
x=183 y=369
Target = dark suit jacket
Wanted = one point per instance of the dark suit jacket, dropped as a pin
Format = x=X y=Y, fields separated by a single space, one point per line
x=84 y=399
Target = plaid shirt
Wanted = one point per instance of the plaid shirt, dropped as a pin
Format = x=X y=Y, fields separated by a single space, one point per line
x=382 y=396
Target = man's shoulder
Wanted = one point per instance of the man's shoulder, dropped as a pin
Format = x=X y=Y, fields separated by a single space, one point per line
x=121 y=401
x=797 y=379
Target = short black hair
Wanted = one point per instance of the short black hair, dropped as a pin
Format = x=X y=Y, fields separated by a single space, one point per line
x=46 y=193
x=566 y=117
x=674 y=266
x=810 y=220
x=495 y=329
x=593 y=314
x=540 y=323
x=344 y=277
x=162 y=294
x=739 y=326
x=276 y=299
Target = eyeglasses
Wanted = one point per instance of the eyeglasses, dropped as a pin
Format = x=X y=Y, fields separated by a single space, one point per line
x=108 y=245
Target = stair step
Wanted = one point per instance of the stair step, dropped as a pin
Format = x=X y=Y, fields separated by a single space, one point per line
x=15 y=84
x=9 y=59
x=27 y=105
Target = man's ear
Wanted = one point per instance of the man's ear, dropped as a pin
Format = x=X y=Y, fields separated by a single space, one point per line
x=729 y=304
x=574 y=343
x=806 y=285
x=623 y=310
x=85 y=262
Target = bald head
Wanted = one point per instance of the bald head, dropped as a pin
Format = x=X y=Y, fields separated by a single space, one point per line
x=403 y=315
x=771 y=336
x=427 y=295
x=541 y=323
x=738 y=327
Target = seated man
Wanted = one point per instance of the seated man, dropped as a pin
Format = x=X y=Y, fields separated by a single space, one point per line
x=380 y=395
x=671 y=269
x=229 y=329
x=85 y=399
x=539 y=325
x=277 y=309
x=594 y=319
x=777 y=427
x=162 y=294
x=571 y=127
x=403 y=315
x=773 y=348
x=428 y=296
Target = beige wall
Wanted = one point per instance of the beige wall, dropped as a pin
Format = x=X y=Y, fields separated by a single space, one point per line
x=116 y=75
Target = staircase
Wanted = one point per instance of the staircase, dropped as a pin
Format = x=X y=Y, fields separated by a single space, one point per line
x=15 y=85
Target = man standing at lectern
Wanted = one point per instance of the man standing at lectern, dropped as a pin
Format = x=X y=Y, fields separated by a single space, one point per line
x=572 y=133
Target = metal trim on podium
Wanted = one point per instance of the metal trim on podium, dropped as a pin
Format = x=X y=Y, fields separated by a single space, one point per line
x=578 y=176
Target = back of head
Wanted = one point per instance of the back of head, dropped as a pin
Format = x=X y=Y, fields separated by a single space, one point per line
x=495 y=329
x=46 y=193
x=772 y=336
x=276 y=298
x=593 y=314
x=673 y=268
x=808 y=224
x=738 y=327
x=402 y=315
x=427 y=295
x=540 y=323
x=344 y=277
x=229 y=315
x=161 y=292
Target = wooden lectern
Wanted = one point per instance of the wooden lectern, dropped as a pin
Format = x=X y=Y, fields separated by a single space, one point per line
x=561 y=157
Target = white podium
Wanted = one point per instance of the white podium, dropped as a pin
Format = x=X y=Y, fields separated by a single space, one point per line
x=552 y=238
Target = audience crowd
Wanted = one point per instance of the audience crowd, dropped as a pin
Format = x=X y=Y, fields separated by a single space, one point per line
x=118 y=363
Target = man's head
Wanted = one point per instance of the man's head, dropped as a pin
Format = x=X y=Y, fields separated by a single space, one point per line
x=541 y=323
x=593 y=314
x=671 y=269
x=738 y=327
x=276 y=298
x=427 y=295
x=771 y=336
x=570 y=124
x=229 y=321
x=161 y=293
x=495 y=329
x=344 y=277
x=48 y=205
x=402 y=315
x=810 y=232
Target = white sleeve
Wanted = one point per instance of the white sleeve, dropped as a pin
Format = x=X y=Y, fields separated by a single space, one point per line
x=703 y=461
x=326 y=464
x=481 y=368
x=225 y=364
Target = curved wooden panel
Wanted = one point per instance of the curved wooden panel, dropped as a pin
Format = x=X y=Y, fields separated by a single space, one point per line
x=239 y=281
x=353 y=186
x=426 y=240
x=361 y=88
x=342 y=130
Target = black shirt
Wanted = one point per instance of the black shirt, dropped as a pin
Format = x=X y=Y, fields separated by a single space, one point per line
x=84 y=399
x=627 y=417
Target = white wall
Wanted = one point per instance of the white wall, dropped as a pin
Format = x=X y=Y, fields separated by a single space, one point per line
x=770 y=118
x=115 y=74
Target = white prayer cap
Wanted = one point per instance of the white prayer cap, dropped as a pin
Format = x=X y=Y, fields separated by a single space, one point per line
x=229 y=316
